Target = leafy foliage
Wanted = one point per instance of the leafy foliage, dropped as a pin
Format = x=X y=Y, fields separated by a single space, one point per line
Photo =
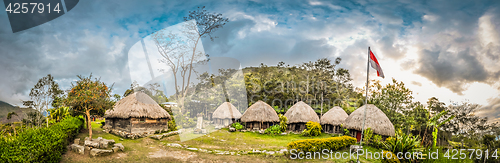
x=273 y=130
x=313 y=129
x=40 y=144
x=403 y=143
x=89 y=95
x=283 y=122
x=237 y=126
x=367 y=135
x=316 y=145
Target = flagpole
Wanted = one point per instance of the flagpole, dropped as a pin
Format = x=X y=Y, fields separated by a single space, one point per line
x=366 y=96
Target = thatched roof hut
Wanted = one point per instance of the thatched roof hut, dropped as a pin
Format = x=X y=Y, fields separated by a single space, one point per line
x=137 y=105
x=260 y=112
x=226 y=114
x=301 y=113
x=335 y=116
x=226 y=111
x=375 y=119
x=260 y=116
x=136 y=115
x=298 y=115
x=332 y=120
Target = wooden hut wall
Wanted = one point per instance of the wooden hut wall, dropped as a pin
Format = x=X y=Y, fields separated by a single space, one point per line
x=297 y=127
x=328 y=128
x=258 y=125
x=140 y=125
x=119 y=124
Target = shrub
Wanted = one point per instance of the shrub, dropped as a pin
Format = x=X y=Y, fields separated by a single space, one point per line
x=313 y=129
x=403 y=143
x=283 y=123
x=171 y=125
x=377 y=141
x=316 y=145
x=275 y=129
x=368 y=134
x=237 y=126
x=40 y=144
x=346 y=131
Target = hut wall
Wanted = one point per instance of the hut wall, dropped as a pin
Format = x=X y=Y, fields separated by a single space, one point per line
x=327 y=128
x=118 y=124
x=141 y=125
x=297 y=127
x=257 y=125
x=224 y=122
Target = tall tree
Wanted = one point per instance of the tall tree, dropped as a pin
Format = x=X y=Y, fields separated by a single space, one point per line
x=43 y=94
x=86 y=95
x=179 y=53
x=394 y=99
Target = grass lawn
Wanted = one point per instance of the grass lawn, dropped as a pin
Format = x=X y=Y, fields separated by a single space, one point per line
x=150 y=150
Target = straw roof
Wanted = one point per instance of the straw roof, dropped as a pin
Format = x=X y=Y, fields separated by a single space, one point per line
x=375 y=119
x=137 y=105
x=226 y=110
x=334 y=116
x=260 y=112
x=301 y=113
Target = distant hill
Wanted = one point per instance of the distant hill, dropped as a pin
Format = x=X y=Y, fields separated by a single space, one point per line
x=6 y=108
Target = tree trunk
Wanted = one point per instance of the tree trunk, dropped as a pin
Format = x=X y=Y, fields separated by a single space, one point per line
x=89 y=125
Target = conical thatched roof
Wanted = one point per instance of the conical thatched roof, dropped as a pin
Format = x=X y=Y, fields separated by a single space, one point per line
x=334 y=116
x=137 y=105
x=260 y=112
x=301 y=113
x=375 y=119
x=226 y=110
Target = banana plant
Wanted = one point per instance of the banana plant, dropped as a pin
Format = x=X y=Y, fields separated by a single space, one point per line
x=435 y=124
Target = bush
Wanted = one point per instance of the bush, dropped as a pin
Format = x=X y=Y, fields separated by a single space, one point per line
x=275 y=129
x=377 y=141
x=40 y=144
x=283 y=123
x=316 y=145
x=313 y=129
x=171 y=125
x=368 y=134
x=403 y=143
x=346 y=131
x=237 y=126
x=103 y=123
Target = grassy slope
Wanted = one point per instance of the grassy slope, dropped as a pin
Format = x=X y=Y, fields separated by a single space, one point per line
x=6 y=108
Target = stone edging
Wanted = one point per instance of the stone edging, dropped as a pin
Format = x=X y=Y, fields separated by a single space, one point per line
x=219 y=152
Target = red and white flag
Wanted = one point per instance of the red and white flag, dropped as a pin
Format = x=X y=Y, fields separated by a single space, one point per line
x=375 y=65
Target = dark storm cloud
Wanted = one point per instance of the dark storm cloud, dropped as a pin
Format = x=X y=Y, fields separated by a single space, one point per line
x=492 y=110
x=95 y=37
x=451 y=70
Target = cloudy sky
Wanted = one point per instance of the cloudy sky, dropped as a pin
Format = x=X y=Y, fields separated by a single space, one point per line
x=447 y=49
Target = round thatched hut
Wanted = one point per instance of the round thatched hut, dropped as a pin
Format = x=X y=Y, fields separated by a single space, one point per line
x=225 y=115
x=136 y=115
x=298 y=115
x=332 y=120
x=260 y=116
x=375 y=119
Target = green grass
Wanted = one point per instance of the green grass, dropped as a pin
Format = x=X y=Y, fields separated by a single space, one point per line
x=237 y=141
x=139 y=150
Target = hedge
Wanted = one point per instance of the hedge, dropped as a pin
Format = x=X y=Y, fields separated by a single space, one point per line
x=40 y=144
x=316 y=145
